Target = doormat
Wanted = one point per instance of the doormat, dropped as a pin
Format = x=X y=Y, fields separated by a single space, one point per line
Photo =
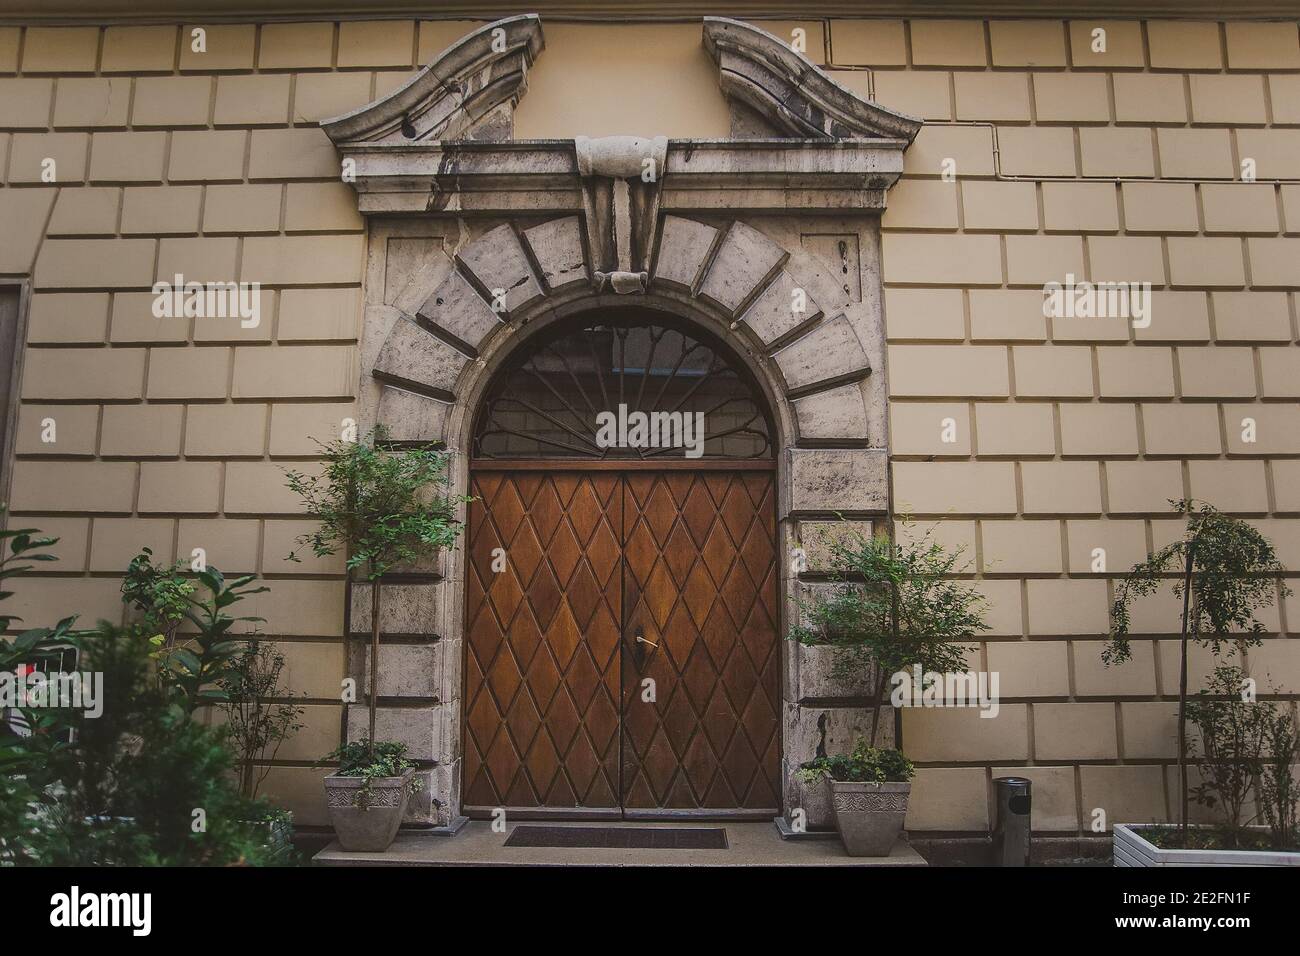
x=635 y=838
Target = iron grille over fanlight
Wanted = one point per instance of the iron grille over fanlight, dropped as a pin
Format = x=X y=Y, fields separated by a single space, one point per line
x=553 y=402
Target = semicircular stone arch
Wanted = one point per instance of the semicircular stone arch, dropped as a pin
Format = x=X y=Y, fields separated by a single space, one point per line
x=731 y=276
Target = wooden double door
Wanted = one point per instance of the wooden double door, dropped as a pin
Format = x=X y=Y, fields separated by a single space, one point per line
x=622 y=652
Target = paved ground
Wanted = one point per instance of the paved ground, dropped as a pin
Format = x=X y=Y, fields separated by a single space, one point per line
x=750 y=844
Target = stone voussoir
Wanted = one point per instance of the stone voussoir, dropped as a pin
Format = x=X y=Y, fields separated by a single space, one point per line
x=557 y=249
x=684 y=247
x=745 y=260
x=416 y=358
x=457 y=309
x=829 y=354
x=497 y=261
x=781 y=308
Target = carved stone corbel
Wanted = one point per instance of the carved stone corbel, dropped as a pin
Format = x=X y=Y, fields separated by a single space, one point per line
x=622 y=181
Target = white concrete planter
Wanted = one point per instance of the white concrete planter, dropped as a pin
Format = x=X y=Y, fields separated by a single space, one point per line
x=1131 y=849
x=869 y=816
x=369 y=822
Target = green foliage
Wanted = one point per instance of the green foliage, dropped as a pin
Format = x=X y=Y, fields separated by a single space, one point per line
x=865 y=764
x=126 y=790
x=1248 y=745
x=373 y=762
x=1235 y=572
x=197 y=669
x=892 y=606
x=160 y=594
x=381 y=506
x=258 y=717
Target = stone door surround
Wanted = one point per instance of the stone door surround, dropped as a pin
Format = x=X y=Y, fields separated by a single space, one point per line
x=768 y=240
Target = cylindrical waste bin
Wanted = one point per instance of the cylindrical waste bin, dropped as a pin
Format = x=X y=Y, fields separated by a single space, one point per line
x=1011 y=828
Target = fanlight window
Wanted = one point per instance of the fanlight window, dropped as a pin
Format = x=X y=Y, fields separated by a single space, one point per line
x=613 y=390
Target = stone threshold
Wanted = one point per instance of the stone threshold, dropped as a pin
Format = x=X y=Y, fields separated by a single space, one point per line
x=751 y=843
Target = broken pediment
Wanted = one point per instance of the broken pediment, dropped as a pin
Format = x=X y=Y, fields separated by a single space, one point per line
x=790 y=92
x=444 y=143
x=466 y=93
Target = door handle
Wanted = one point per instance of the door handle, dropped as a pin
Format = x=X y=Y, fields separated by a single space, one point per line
x=642 y=640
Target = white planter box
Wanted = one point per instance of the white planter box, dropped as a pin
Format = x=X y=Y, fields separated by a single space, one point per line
x=1132 y=850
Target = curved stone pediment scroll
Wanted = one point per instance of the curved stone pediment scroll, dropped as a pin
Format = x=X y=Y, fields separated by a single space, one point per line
x=791 y=91
x=479 y=73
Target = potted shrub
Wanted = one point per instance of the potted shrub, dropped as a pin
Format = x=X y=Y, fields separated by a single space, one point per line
x=868 y=791
x=1223 y=571
x=891 y=607
x=366 y=797
x=385 y=507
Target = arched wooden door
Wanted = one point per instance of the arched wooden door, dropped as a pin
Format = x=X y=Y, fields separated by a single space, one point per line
x=623 y=654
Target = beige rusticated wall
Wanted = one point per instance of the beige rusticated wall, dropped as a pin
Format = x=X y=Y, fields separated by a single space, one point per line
x=1070 y=434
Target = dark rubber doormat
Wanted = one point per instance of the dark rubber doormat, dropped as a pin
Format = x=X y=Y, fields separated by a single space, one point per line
x=636 y=838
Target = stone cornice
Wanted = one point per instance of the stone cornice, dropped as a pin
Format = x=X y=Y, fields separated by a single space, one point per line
x=791 y=91
x=523 y=177
x=472 y=77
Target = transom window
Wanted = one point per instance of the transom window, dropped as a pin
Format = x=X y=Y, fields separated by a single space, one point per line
x=615 y=389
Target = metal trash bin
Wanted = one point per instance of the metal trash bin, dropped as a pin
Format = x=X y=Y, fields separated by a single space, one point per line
x=1011 y=834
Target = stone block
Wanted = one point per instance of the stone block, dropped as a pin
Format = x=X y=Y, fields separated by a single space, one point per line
x=744 y=261
x=411 y=417
x=420 y=728
x=497 y=261
x=826 y=673
x=831 y=730
x=557 y=249
x=684 y=247
x=835 y=480
x=830 y=353
x=457 y=309
x=413 y=609
x=817 y=537
x=837 y=415
x=414 y=357
x=410 y=670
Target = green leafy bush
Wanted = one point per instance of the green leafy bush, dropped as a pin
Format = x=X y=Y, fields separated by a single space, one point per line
x=866 y=764
x=372 y=762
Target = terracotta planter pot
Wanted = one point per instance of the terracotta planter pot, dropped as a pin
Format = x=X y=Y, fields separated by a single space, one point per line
x=869 y=815
x=367 y=822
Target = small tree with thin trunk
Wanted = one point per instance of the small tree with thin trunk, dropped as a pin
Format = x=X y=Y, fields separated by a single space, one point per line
x=1223 y=571
x=386 y=507
x=892 y=606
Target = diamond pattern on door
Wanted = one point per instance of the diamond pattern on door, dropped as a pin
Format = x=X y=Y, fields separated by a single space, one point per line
x=701 y=583
x=542 y=647
x=555 y=714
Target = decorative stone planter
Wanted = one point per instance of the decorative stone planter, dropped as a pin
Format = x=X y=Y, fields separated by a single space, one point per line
x=869 y=815
x=367 y=822
x=1132 y=849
